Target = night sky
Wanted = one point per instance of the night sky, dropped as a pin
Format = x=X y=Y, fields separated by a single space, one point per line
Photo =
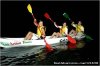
x=16 y=21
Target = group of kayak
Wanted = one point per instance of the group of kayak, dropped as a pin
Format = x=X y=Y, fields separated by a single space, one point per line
x=41 y=30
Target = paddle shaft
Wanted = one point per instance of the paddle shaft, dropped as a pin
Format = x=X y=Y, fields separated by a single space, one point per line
x=51 y=20
x=33 y=16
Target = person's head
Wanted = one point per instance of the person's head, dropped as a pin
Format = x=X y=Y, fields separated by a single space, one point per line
x=64 y=24
x=41 y=23
x=79 y=23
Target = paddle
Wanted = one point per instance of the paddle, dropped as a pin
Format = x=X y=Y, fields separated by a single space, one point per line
x=30 y=10
x=48 y=47
x=70 y=39
x=67 y=17
x=88 y=37
x=48 y=17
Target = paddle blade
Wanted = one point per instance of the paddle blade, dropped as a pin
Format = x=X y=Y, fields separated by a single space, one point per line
x=71 y=46
x=71 y=40
x=48 y=47
x=66 y=15
x=29 y=8
x=88 y=37
x=46 y=15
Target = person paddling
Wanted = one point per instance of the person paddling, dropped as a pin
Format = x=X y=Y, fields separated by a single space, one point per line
x=79 y=29
x=40 y=31
x=63 y=30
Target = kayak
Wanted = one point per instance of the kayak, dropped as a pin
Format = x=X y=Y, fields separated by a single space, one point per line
x=78 y=37
x=20 y=42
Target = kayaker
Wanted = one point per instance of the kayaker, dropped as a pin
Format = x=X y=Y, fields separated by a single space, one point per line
x=79 y=29
x=40 y=31
x=63 y=30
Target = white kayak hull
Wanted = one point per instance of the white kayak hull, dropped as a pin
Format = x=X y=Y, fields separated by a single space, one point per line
x=20 y=42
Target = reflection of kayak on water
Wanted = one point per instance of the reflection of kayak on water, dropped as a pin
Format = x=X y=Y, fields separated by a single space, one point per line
x=20 y=42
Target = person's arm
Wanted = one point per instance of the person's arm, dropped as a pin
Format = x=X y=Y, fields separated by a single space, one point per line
x=45 y=28
x=66 y=31
x=73 y=24
x=43 y=32
x=57 y=25
x=82 y=28
x=35 y=22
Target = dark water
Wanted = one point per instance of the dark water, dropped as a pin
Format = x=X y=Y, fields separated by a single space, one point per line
x=27 y=56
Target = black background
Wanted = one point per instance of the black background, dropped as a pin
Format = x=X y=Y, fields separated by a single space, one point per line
x=17 y=21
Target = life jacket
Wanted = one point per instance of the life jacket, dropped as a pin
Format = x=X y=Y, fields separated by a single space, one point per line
x=79 y=28
x=62 y=30
x=39 y=31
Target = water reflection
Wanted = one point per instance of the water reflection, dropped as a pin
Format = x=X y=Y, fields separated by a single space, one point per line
x=80 y=44
x=26 y=56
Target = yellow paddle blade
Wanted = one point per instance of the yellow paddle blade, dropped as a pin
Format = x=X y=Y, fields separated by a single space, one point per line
x=29 y=8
